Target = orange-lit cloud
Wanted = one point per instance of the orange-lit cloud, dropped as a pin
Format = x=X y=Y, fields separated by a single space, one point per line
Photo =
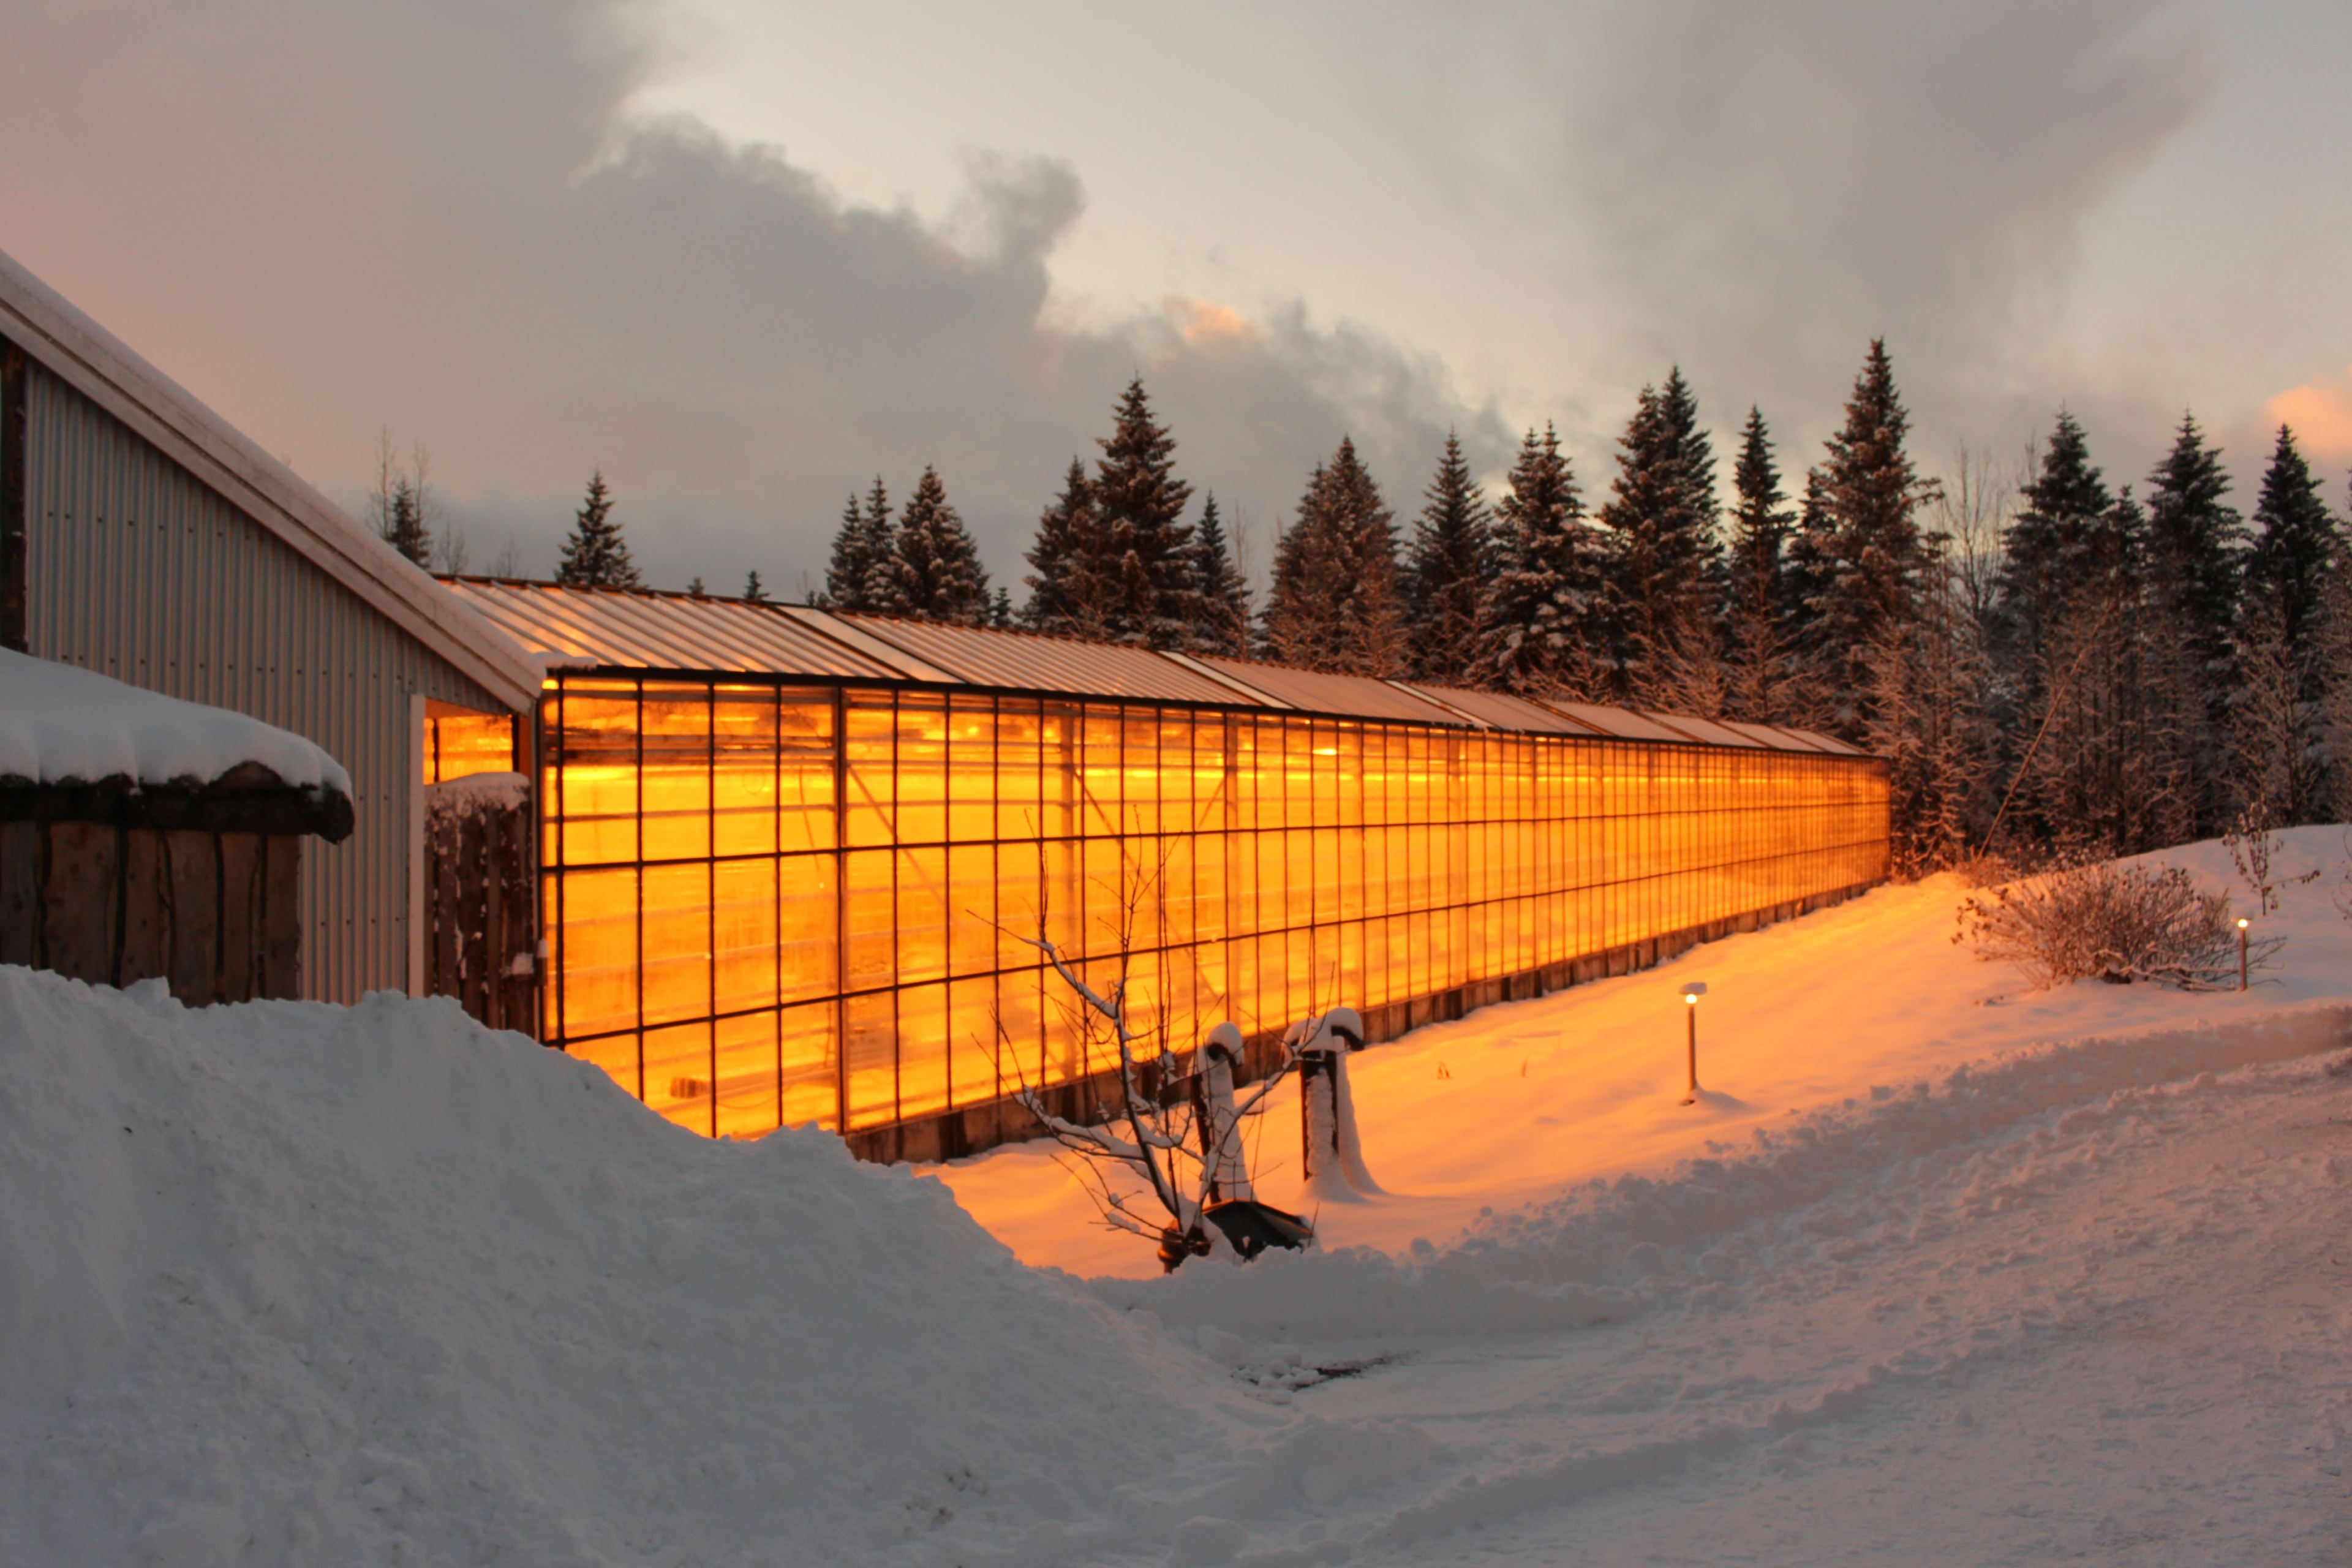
x=2321 y=413
x=1202 y=324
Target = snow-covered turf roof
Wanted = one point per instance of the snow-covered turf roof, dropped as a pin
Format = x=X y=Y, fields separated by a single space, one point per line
x=60 y=724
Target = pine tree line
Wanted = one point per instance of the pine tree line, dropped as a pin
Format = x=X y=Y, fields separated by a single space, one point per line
x=2050 y=662
x=2044 y=662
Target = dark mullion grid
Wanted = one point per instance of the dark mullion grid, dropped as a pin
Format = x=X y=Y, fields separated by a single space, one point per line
x=776 y=883
x=1478 y=766
x=637 y=821
x=840 y=908
x=710 y=889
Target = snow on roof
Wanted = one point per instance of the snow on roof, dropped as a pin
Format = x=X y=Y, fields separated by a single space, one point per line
x=62 y=724
x=98 y=365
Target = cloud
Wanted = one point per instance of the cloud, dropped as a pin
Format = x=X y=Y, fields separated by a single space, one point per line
x=2320 y=412
x=1757 y=190
x=440 y=217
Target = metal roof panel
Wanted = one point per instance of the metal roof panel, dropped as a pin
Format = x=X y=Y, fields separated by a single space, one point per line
x=1623 y=723
x=1503 y=710
x=635 y=628
x=1027 y=661
x=1766 y=735
x=1707 y=730
x=1350 y=696
x=1825 y=742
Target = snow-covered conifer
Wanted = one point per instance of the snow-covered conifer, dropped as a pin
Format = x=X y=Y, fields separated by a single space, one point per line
x=1139 y=504
x=933 y=571
x=595 y=555
x=860 y=551
x=1665 y=572
x=1070 y=579
x=1336 y=602
x=1223 y=623
x=1536 y=621
x=1446 y=572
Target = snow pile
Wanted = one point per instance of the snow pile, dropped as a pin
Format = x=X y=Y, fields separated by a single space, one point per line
x=59 y=724
x=293 y=1283
x=473 y=794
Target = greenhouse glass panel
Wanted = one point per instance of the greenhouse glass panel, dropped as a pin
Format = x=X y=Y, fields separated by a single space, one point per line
x=772 y=903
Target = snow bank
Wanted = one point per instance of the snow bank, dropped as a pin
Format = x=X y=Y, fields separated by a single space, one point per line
x=1610 y=1249
x=293 y=1283
x=476 y=793
x=60 y=723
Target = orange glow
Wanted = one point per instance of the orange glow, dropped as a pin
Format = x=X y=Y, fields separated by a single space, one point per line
x=781 y=904
x=2320 y=412
x=1201 y=321
x=458 y=742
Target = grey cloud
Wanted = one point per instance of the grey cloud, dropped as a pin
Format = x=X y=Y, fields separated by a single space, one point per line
x=441 y=218
x=1773 y=183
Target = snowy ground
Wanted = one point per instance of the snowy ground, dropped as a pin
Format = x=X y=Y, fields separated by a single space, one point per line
x=1518 y=1102
x=296 y=1284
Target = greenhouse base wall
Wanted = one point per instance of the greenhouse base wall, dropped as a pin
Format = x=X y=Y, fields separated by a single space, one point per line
x=974 y=1129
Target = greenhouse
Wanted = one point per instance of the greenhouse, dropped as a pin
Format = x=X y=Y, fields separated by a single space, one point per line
x=793 y=864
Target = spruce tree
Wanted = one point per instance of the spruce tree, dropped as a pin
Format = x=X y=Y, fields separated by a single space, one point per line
x=403 y=523
x=2294 y=546
x=1223 y=623
x=595 y=555
x=861 y=551
x=1759 y=625
x=933 y=571
x=1337 y=601
x=1446 y=574
x=1536 y=621
x=1139 y=504
x=2047 y=549
x=753 y=590
x=694 y=588
x=1665 y=564
x=1816 y=671
x=1869 y=499
x=2282 y=641
x=2194 y=543
x=1070 y=581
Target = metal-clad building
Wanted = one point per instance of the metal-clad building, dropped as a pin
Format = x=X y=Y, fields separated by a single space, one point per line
x=143 y=538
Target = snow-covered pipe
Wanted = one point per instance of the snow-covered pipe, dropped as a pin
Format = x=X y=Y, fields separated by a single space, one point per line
x=1220 y=1124
x=1334 y=1150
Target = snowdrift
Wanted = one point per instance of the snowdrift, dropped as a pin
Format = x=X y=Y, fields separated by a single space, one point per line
x=287 y=1282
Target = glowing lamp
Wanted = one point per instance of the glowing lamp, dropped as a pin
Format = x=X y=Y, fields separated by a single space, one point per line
x=2241 y=951
x=1692 y=991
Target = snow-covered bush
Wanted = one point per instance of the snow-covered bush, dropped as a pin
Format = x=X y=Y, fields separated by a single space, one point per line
x=2118 y=922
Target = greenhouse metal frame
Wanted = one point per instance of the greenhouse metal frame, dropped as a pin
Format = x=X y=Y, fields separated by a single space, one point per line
x=778 y=896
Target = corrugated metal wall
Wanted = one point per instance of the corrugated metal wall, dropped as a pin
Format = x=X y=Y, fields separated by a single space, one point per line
x=138 y=571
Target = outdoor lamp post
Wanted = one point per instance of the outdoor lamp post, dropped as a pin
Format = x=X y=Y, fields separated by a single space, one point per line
x=1692 y=991
x=2241 y=952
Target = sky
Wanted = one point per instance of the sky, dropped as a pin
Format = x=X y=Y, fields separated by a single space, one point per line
x=743 y=257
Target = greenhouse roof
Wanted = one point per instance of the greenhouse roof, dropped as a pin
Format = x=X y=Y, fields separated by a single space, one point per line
x=638 y=628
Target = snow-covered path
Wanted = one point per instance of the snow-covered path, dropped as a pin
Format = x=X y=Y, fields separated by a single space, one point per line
x=1516 y=1103
x=2119 y=1330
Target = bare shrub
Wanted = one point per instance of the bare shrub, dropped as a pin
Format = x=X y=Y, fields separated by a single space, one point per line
x=2120 y=923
